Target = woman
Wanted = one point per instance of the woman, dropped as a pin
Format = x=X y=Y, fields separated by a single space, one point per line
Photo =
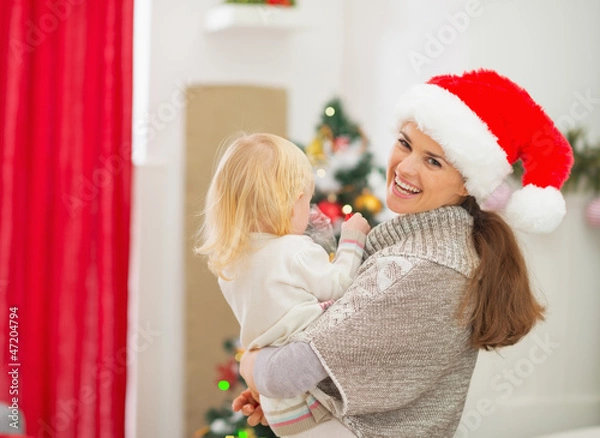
x=394 y=356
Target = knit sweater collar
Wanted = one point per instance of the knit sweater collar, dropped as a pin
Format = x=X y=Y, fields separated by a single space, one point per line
x=442 y=235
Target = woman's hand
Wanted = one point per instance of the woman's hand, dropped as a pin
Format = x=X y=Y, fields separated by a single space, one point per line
x=248 y=403
x=247 y=369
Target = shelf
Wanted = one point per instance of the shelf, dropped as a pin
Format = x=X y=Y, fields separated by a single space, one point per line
x=240 y=16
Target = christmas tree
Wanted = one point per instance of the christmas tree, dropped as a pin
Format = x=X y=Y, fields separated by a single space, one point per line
x=223 y=422
x=346 y=178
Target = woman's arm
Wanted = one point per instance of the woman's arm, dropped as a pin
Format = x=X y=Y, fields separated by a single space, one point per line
x=278 y=373
x=283 y=372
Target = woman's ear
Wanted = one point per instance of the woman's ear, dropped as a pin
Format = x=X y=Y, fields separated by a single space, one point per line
x=463 y=192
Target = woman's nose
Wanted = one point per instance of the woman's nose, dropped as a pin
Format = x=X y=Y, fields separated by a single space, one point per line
x=408 y=165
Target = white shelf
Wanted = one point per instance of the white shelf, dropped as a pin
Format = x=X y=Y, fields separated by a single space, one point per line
x=252 y=16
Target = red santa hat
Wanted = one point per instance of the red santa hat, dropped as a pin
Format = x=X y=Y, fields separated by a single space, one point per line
x=485 y=122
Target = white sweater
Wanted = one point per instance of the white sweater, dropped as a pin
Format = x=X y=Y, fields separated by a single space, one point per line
x=285 y=282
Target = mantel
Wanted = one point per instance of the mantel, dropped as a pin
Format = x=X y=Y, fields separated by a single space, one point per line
x=253 y=16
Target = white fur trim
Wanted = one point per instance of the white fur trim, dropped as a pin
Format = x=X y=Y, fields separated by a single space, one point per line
x=535 y=209
x=467 y=141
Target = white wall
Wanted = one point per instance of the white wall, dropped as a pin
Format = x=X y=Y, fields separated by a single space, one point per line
x=366 y=51
x=379 y=40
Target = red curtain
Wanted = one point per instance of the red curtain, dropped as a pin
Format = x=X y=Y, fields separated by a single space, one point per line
x=65 y=112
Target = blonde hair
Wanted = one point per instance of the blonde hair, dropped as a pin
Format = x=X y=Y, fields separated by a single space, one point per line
x=258 y=180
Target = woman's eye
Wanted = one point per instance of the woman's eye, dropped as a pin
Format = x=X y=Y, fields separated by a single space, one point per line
x=434 y=162
x=404 y=143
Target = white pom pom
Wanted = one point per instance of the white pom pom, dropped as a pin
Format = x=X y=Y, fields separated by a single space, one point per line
x=535 y=209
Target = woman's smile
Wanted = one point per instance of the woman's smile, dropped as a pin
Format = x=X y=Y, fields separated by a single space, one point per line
x=404 y=189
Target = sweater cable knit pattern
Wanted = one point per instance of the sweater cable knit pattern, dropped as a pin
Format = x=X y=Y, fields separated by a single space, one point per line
x=442 y=236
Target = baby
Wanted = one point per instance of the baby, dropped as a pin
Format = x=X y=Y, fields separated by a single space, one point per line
x=275 y=279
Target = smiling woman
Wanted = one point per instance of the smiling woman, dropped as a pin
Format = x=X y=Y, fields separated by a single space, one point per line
x=393 y=357
x=419 y=176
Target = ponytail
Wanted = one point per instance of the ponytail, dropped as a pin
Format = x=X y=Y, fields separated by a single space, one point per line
x=499 y=304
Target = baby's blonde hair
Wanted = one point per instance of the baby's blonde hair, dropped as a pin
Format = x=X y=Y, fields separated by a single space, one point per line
x=258 y=180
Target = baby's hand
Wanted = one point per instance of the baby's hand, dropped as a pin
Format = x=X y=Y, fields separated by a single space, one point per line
x=357 y=222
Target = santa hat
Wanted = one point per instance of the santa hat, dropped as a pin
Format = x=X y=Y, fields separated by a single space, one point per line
x=485 y=122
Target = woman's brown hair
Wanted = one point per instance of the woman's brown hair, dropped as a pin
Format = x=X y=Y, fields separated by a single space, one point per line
x=499 y=304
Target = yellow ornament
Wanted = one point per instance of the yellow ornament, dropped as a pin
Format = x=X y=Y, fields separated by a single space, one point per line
x=315 y=151
x=238 y=354
x=368 y=202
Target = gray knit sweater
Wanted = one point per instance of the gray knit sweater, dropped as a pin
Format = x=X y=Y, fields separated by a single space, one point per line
x=399 y=363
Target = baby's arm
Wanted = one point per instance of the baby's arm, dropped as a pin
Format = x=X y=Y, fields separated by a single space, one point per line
x=352 y=244
x=328 y=280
